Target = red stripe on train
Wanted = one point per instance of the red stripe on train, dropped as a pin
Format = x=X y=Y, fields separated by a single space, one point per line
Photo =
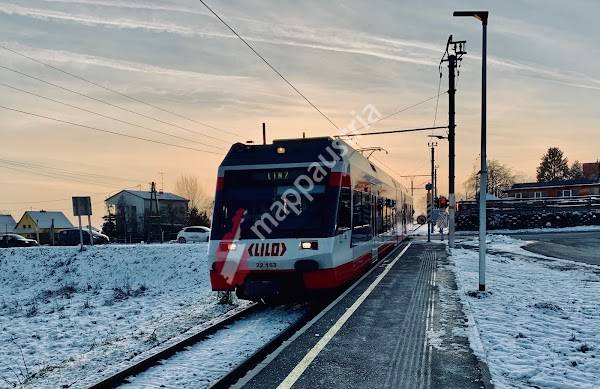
x=319 y=279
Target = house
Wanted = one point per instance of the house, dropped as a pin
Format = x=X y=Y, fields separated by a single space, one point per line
x=588 y=185
x=550 y=189
x=42 y=223
x=7 y=224
x=133 y=213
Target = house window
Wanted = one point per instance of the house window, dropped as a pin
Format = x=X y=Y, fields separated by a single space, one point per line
x=518 y=195
x=537 y=195
x=566 y=193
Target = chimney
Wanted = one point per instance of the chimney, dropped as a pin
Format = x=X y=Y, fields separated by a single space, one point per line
x=591 y=170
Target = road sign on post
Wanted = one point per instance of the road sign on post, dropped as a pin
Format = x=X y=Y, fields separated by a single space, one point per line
x=82 y=206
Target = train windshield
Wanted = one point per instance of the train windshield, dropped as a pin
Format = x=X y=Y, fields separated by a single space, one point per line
x=273 y=206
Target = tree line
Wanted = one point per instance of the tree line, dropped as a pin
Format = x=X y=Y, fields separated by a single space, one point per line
x=554 y=166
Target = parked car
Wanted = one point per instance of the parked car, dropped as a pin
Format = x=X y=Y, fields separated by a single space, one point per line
x=14 y=240
x=193 y=234
x=70 y=237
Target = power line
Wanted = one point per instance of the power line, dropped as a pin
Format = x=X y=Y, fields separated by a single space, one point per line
x=270 y=66
x=393 y=131
x=106 y=116
x=394 y=114
x=115 y=91
x=53 y=200
x=66 y=172
x=107 y=131
x=437 y=102
x=406 y=108
x=108 y=103
x=54 y=175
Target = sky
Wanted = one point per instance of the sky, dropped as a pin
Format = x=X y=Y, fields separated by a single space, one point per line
x=206 y=90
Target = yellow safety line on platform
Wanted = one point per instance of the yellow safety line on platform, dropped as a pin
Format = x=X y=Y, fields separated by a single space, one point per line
x=314 y=352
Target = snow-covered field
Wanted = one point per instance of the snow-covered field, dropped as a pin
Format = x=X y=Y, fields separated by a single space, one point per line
x=538 y=325
x=421 y=230
x=66 y=316
x=535 y=230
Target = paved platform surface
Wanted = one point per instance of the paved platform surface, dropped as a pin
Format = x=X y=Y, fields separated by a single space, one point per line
x=409 y=332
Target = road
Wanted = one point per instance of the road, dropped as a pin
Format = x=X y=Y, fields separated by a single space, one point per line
x=574 y=246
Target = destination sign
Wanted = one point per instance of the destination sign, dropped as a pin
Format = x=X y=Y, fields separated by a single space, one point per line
x=270 y=176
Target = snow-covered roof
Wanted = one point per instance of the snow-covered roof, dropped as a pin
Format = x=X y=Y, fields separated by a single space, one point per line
x=555 y=184
x=44 y=219
x=146 y=195
x=7 y=224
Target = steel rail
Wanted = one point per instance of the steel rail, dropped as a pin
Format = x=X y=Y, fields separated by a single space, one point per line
x=138 y=367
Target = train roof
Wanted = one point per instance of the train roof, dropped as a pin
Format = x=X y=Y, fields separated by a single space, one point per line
x=296 y=151
x=301 y=150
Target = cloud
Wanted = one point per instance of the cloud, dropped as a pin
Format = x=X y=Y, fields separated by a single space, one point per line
x=130 y=5
x=70 y=57
x=347 y=42
x=325 y=39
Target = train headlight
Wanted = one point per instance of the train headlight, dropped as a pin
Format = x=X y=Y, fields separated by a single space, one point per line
x=309 y=245
x=280 y=150
x=227 y=246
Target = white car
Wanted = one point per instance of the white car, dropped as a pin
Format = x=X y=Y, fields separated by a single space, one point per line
x=194 y=234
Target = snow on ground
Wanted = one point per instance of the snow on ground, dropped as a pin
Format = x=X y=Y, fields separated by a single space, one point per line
x=204 y=363
x=66 y=315
x=538 y=325
x=535 y=230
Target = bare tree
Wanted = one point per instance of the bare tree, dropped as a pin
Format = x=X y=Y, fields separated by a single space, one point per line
x=500 y=178
x=190 y=188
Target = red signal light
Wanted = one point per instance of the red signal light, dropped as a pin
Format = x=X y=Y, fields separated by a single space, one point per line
x=443 y=202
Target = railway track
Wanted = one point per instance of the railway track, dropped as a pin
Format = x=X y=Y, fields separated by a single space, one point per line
x=165 y=352
x=185 y=356
x=140 y=373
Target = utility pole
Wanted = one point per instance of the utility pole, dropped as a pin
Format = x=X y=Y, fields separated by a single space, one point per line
x=452 y=59
x=451 y=148
x=435 y=185
x=154 y=219
x=431 y=192
x=162 y=181
x=412 y=189
x=412 y=192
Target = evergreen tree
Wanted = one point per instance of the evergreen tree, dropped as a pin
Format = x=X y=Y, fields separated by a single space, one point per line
x=576 y=171
x=197 y=218
x=554 y=166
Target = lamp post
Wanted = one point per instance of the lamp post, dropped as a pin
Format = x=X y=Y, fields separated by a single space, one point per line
x=483 y=17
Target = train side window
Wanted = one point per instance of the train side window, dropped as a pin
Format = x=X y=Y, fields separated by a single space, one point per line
x=388 y=215
x=380 y=215
x=344 y=216
x=361 y=217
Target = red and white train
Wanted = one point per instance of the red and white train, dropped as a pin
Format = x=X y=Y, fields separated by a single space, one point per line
x=301 y=214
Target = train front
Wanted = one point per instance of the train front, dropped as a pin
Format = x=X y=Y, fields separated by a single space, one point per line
x=275 y=217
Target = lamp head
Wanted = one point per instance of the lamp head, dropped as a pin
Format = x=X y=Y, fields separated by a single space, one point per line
x=480 y=15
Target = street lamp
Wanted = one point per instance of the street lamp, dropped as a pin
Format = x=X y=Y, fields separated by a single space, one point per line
x=438 y=136
x=483 y=17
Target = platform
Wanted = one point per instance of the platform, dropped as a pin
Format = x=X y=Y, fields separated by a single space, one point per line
x=393 y=330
